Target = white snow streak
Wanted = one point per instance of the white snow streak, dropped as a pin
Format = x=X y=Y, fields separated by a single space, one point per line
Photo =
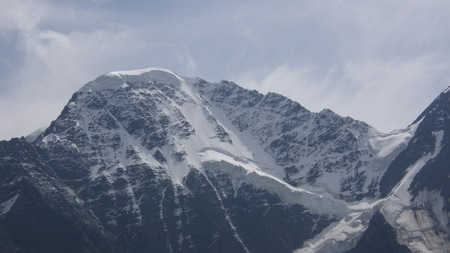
x=227 y=216
x=161 y=215
x=205 y=150
x=237 y=167
x=6 y=206
x=343 y=235
x=411 y=219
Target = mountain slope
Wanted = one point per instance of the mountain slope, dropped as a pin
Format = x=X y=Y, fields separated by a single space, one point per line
x=134 y=147
x=417 y=206
x=40 y=213
x=379 y=231
x=155 y=162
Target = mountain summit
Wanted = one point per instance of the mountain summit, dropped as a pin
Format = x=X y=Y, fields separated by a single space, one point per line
x=148 y=161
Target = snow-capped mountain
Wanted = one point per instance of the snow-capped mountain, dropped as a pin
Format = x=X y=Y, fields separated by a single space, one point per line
x=148 y=161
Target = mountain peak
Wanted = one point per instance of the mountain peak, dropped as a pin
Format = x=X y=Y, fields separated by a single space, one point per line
x=438 y=109
x=118 y=79
x=147 y=159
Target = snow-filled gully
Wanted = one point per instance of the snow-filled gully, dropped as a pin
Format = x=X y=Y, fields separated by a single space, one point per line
x=353 y=218
x=227 y=216
x=205 y=151
x=161 y=214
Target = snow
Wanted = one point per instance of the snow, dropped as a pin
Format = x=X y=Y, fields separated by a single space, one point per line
x=245 y=159
x=437 y=202
x=248 y=145
x=205 y=118
x=6 y=206
x=259 y=127
x=156 y=73
x=447 y=90
x=199 y=116
x=329 y=182
x=385 y=148
x=414 y=224
x=50 y=138
x=192 y=108
x=247 y=170
x=340 y=236
x=119 y=78
x=227 y=216
x=343 y=235
x=161 y=215
x=401 y=196
x=385 y=144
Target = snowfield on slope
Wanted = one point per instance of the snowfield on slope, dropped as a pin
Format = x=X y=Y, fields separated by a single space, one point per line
x=410 y=219
x=216 y=143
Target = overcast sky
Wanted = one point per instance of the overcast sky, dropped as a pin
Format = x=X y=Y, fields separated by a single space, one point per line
x=380 y=61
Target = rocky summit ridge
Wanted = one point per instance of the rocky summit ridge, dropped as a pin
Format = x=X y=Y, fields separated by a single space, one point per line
x=149 y=161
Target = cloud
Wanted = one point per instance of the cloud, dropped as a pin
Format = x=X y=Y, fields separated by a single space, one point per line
x=379 y=61
x=359 y=58
x=391 y=94
x=386 y=94
x=54 y=58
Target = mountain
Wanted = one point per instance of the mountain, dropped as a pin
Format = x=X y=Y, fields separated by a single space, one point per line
x=148 y=161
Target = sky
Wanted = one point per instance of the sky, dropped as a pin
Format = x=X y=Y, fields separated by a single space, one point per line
x=379 y=61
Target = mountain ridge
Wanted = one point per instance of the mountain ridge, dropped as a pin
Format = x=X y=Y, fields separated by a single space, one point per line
x=166 y=163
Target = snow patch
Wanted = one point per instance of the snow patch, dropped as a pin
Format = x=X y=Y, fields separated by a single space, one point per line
x=161 y=215
x=50 y=138
x=6 y=206
x=384 y=144
x=340 y=236
x=248 y=145
x=343 y=235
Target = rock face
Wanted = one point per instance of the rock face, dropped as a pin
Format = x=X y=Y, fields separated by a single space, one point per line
x=39 y=213
x=147 y=161
x=417 y=183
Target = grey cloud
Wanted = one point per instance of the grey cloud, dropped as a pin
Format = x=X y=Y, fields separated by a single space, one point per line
x=355 y=57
